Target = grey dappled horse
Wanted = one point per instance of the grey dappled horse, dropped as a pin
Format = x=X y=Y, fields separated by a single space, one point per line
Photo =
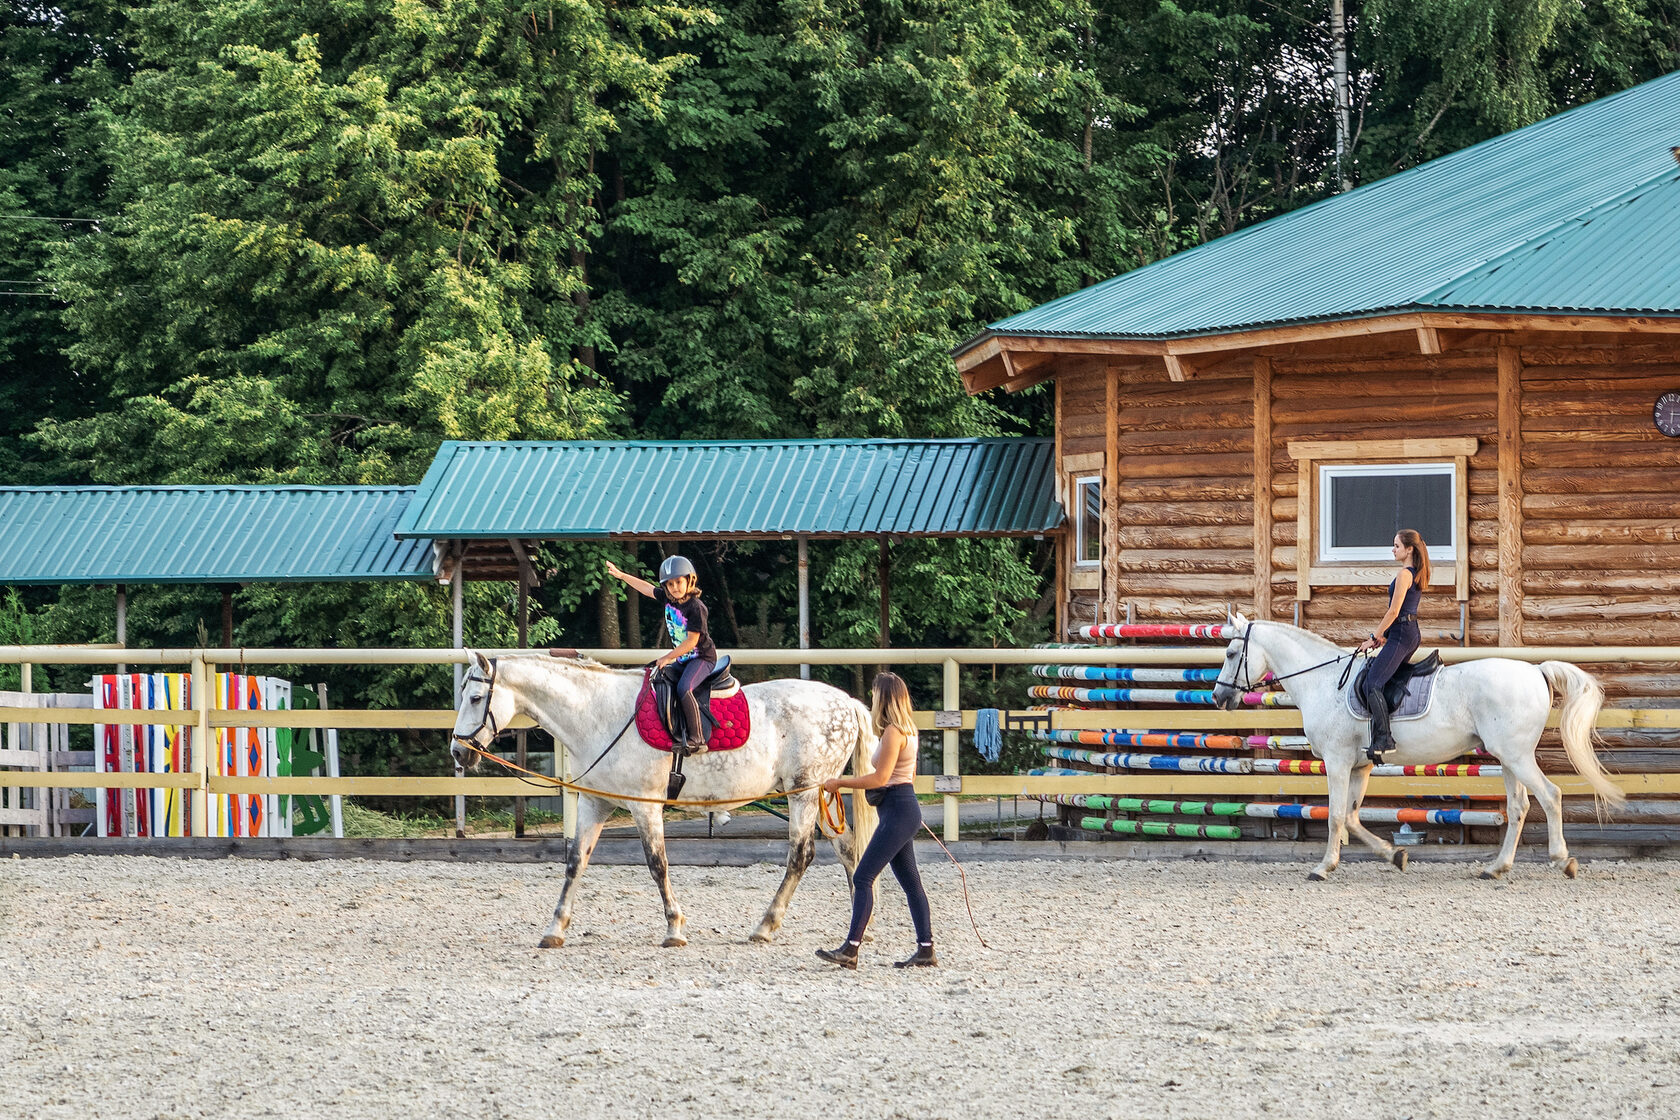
x=803 y=732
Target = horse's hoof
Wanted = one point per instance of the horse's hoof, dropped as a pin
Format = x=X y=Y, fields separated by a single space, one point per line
x=1571 y=869
x=673 y=943
x=1491 y=874
x=759 y=937
x=1316 y=876
x=551 y=942
x=1400 y=858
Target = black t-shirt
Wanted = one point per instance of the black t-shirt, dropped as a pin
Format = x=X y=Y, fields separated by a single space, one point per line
x=685 y=618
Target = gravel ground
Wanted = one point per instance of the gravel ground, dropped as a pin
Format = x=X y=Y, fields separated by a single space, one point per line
x=140 y=987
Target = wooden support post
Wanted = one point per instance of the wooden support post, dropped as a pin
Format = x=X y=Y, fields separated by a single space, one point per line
x=1429 y=340
x=227 y=615
x=1060 y=546
x=457 y=638
x=951 y=701
x=804 y=603
x=1305 y=506
x=122 y=622
x=886 y=600
x=523 y=623
x=1109 y=610
x=1510 y=498
x=1262 y=488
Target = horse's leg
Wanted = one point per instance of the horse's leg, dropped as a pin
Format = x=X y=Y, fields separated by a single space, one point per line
x=1527 y=771
x=1338 y=769
x=592 y=817
x=802 y=849
x=1516 y=809
x=1357 y=783
x=650 y=822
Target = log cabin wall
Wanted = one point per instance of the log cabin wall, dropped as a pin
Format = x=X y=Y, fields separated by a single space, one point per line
x=1337 y=399
x=1589 y=488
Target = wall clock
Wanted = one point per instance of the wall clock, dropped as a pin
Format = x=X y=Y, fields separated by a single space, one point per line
x=1666 y=413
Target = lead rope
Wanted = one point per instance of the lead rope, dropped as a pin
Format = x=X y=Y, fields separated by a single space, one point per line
x=964 y=876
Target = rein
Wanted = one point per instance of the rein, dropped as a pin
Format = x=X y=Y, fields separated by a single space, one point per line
x=1242 y=662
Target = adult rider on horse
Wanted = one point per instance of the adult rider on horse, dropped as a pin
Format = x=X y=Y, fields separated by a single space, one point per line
x=1396 y=636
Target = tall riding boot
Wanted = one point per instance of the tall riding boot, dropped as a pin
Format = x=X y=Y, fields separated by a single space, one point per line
x=695 y=729
x=1381 y=739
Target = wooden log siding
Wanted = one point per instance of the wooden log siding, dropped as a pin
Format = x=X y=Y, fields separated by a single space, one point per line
x=1598 y=561
x=1600 y=535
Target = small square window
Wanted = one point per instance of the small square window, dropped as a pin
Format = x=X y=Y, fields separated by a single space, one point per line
x=1362 y=506
x=1087 y=524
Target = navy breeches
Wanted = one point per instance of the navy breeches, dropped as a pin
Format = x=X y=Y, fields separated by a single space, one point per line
x=894 y=844
x=1403 y=641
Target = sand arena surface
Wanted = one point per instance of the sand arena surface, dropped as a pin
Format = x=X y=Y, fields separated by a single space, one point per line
x=142 y=987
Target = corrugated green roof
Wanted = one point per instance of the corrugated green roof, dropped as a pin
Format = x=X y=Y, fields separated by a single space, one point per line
x=817 y=488
x=1577 y=213
x=205 y=534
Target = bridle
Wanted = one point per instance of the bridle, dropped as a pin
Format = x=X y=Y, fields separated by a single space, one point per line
x=470 y=739
x=1242 y=667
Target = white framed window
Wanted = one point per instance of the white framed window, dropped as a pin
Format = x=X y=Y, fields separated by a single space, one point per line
x=1362 y=505
x=1087 y=521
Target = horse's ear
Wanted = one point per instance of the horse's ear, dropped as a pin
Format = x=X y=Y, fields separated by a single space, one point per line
x=1240 y=620
x=481 y=661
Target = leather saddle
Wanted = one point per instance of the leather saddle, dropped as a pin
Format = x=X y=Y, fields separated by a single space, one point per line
x=1408 y=691
x=716 y=688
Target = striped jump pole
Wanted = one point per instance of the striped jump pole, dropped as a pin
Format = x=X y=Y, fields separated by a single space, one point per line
x=1215 y=630
x=1279 y=743
x=1378 y=816
x=1270 y=811
x=1099 y=673
x=1162 y=828
x=1152 y=696
x=1181 y=763
x=1172 y=740
x=1442 y=770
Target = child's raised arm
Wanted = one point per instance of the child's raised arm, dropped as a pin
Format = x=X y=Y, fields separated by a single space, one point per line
x=641 y=585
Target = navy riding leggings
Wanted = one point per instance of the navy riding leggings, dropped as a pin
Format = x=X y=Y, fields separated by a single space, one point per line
x=893 y=843
x=694 y=670
x=1403 y=639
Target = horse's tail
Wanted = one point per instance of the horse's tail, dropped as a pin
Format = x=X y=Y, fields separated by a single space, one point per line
x=1583 y=696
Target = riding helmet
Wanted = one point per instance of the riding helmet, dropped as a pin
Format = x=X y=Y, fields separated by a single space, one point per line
x=675 y=567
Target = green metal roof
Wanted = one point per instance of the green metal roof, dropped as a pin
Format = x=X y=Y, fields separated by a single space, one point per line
x=1578 y=213
x=817 y=488
x=205 y=534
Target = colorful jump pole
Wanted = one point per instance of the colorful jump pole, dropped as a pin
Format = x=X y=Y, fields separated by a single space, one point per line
x=1152 y=696
x=1268 y=810
x=1163 y=828
x=1217 y=630
x=1098 y=673
x=1172 y=740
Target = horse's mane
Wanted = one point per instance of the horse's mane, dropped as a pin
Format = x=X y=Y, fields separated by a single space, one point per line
x=587 y=664
x=1323 y=642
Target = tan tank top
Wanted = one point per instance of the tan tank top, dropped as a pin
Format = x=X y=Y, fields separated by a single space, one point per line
x=904 y=770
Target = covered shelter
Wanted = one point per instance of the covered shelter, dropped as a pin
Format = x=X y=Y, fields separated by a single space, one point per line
x=1485 y=347
x=483 y=505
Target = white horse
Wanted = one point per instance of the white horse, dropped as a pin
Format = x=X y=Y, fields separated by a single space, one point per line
x=803 y=732
x=1497 y=704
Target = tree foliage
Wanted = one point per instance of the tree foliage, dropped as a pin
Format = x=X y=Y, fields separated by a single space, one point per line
x=332 y=233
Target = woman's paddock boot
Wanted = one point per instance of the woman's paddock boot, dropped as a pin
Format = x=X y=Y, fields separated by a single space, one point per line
x=923 y=958
x=1382 y=740
x=845 y=956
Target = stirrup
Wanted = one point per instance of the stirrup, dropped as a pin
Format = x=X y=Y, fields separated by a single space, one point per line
x=696 y=747
x=1375 y=753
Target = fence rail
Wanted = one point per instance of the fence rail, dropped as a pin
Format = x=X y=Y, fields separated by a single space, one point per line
x=948 y=720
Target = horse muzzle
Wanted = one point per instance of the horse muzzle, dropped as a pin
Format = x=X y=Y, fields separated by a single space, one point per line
x=465 y=753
